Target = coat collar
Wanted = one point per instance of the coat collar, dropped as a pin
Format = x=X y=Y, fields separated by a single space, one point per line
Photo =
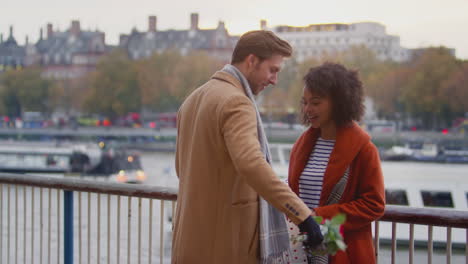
x=226 y=77
x=349 y=141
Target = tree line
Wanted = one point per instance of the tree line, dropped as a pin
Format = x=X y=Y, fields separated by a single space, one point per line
x=118 y=86
x=431 y=88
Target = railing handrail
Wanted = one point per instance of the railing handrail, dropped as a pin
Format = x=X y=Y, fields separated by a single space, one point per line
x=426 y=216
x=393 y=213
x=83 y=185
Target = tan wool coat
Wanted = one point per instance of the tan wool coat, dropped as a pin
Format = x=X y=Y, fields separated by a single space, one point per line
x=222 y=172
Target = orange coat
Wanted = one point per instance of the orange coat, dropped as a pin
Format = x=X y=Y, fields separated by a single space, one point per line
x=363 y=200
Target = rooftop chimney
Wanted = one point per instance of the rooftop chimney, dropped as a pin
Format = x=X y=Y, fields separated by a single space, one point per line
x=152 y=23
x=194 y=21
x=41 y=33
x=50 y=31
x=27 y=41
x=75 y=27
x=11 y=31
x=221 y=24
x=263 y=24
x=1 y=38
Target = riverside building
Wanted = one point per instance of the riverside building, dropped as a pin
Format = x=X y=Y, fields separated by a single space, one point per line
x=317 y=40
x=217 y=41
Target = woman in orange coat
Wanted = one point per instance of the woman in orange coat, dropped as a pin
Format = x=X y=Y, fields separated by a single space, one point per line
x=335 y=146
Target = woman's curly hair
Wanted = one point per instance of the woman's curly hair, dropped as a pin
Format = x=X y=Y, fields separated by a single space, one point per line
x=342 y=86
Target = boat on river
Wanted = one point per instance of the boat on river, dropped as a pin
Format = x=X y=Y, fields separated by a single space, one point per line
x=70 y=158
x=443 y=152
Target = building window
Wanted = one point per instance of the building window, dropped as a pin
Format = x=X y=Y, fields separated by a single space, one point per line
x=396 y=197
x=437 y=199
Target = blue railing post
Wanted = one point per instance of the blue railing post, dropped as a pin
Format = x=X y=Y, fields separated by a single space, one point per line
x=68 y=227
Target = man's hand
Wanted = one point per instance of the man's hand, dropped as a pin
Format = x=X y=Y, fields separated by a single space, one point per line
x=314 y=235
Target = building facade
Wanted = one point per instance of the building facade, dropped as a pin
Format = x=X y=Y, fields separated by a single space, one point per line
x=12 y=56
x=69 y=54
x=316 y=40
x=216 y=42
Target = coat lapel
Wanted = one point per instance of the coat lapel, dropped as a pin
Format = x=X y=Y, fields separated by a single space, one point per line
x=349 y=141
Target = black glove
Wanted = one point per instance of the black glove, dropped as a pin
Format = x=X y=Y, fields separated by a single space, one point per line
x=314 y=236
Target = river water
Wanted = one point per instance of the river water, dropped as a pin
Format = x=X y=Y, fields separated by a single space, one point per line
x=159 y=168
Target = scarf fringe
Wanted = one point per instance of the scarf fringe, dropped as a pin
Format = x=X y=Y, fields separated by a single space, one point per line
x=280 y=259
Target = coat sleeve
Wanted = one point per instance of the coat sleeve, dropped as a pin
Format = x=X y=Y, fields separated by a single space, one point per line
x=368 y=203
x=292 y=178
x=238 y=124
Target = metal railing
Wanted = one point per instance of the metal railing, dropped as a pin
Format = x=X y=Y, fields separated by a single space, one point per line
x=32 y=228
x=93 y=228
x=423 y=218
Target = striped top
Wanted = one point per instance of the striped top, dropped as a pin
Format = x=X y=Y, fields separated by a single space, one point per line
x=311 y=180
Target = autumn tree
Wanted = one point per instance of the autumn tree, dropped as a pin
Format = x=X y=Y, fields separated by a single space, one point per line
x=71 y=94
x=384 y=87
x=114 y=87
x=423 y=93
x=455 y=90
x=155 y=76
x=25 y=90
x=196 y=68
x=166 y=78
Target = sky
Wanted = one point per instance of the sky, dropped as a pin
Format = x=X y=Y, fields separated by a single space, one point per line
x=418 y=23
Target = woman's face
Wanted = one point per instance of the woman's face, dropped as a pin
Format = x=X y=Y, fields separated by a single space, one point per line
x=317 y=108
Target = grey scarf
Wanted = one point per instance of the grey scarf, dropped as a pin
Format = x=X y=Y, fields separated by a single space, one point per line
x=274 y=237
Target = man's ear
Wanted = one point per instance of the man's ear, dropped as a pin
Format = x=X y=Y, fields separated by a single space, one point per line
x=251 y=60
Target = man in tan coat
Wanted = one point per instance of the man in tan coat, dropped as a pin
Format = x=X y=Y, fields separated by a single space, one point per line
x=220 y=164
